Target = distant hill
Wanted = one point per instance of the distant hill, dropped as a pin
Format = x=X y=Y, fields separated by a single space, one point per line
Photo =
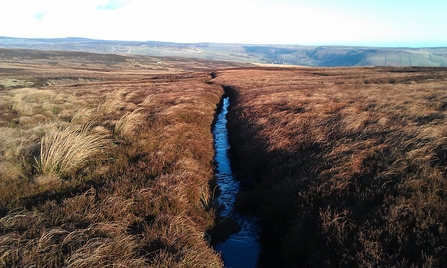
x=268 y=54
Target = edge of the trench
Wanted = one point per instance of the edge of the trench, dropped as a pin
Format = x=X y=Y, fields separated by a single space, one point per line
x=225 y=227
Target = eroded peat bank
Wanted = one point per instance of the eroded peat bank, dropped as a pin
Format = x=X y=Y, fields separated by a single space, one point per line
x=349 y=164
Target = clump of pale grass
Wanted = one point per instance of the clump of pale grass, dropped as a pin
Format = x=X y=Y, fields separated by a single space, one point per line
x=148 y=100
x=22 y=108
x=63 y=150
x=82 y=115
x=27 y=99
x=128 y=122
x=112 y=102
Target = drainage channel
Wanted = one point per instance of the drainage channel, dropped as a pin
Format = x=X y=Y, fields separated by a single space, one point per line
x=241 y=249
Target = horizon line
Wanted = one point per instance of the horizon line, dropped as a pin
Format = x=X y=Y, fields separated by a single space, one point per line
x=232 y=43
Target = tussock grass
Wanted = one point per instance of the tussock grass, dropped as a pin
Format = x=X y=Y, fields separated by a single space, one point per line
x=128 y=123
x=113 y=101
x=349 y=163
x=63 y=150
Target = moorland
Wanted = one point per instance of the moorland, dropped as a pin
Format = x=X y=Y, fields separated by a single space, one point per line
x=107 y=160
x=348 y=164
x=248 y=53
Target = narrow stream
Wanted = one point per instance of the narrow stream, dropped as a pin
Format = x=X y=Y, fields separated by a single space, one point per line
x=242 y=248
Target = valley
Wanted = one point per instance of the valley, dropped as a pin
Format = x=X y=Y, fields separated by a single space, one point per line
x=247 y=53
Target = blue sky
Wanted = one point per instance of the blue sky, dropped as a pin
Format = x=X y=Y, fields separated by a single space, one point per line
x=390 y=23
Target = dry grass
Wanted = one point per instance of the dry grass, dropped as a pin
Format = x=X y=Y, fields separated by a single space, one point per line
x=128 y=123
x=64 y=150
x=349 y=163
x=123 y=164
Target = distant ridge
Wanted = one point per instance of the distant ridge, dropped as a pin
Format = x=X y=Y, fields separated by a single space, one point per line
x=268 y=54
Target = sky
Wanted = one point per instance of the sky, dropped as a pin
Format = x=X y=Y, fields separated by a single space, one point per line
x=383 y=23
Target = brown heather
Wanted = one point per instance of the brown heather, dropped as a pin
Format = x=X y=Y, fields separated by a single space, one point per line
x=103 y=163
x=349 y=163
x=63 y=150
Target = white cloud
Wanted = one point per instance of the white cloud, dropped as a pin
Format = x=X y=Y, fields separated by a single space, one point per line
x=242 y=21
x=114 y=4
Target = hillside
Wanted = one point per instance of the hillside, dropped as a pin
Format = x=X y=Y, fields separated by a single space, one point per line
x=267 y=54
x=347 y=165
x=106 y=160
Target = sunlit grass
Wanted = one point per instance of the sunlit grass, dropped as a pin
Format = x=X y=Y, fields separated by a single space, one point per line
x=63 y=150
x=349 y=163
x=99 y=174
x=129 y=123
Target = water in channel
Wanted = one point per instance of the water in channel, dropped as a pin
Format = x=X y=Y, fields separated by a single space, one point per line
x=242 y=248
